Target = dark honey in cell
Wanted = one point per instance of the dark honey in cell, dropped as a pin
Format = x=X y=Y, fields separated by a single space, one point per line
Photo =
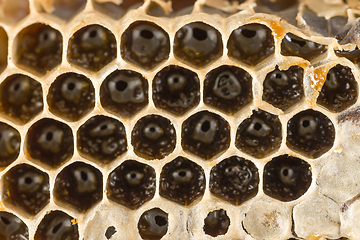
x=27 y=188
x=198 y=44
x=50 y=142
x=79 y=185
x=153 y=137
x=182 y=181
x=131 y=184
x=205 y=134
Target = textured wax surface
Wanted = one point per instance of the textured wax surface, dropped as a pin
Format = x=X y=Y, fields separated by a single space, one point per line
x=182 y=119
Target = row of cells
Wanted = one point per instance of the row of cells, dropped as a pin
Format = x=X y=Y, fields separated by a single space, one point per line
x=19 y=9
x=131 y=184
x=145 y=44
x=174 y=89
x=205 y=134
x=152 y=224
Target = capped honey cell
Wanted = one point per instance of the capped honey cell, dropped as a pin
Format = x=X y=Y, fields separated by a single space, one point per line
x=293 y=45
x=38 y=48
x=228 y=89
x=50 y=142
x=259 y=135
x=217 y=223
x=176 y=90
x=131 y=184
x=153 y=137
x=102 y=138
x=124 y=92
x=153 y=224
x=10 y=141
x=12 y=227
x=21 y=98
x=234 y=179
x=340 y=90
x=71 y=96
x=92 y=47
x=27 y=188
x=57 y=225
x=286 y=178
x=198 y=44
x=182 y=181
x=310 y=133
x=205 y=134
x=251 y=44
x=80 y=185
x=284 y=88
x=145 y=44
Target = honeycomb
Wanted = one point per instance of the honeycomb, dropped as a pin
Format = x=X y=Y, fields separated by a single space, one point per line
x=182 y=119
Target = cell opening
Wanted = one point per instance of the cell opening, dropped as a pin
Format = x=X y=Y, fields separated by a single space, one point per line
x=121 y=85
x=146 y=34
x=199 y=34
x=160 y=221
x=205 y=126
x=248 y=33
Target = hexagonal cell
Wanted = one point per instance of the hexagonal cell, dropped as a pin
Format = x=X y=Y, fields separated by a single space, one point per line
x=145 y=44
x=217 y=223
x=286 y=178
x=102 y=138
x=182 y=181
x=198 y=44
x=205 y=134
x=12 y=227
x=259 y=135
x=176 y=89
x=310 y=133
x=27 y=188
x=153 y=137
x=228 y=89
x=21 y=98
x=57 y=225
x=63 y=9
x=267 y=219
x=251 y=43
x=352 y=55
x=3 y=49
x=92 y=47
x=124 y=92
x=153 y=224
x=323 y=211
x=79 y=185
x=131 y=184
x=234 y=179
x=293 y=45
x=340 y=90
x=116 y=9
x=50 y=142
x=10 y=141
x=284 y=88
x=38 y=48
x=277 y=5
x=13 y=11
x=71 y=96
